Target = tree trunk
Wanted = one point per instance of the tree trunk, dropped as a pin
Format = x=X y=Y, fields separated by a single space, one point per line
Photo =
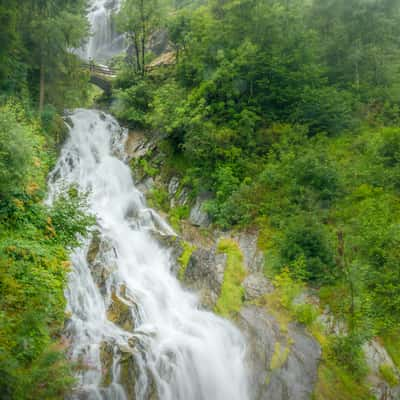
x=42 y=86
x=136 y=44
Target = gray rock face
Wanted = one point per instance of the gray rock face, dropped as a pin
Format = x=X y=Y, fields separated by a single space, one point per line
x=376 y=356
x=159 y=42
x=256 y=285
x=198 y=217
x=283 y=364
x=146 y=185
x=173 y=186
x=252 y=257
x=205 y=273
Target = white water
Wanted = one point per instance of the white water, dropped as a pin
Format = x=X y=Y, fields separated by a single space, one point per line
x=190 y=354
x=103 y=42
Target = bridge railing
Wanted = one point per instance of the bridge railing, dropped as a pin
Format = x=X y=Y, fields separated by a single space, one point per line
x=100 y=69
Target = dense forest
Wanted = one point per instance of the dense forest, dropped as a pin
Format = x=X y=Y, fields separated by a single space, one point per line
x=286 y=112
x=38 y=79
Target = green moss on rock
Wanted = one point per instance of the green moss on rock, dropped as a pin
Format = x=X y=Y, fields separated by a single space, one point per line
x=232 y=293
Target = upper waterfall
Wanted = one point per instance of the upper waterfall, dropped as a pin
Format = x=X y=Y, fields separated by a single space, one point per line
x=104 y=42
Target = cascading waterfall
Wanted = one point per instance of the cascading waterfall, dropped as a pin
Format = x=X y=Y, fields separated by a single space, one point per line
x=104 y=42
x=157 y=343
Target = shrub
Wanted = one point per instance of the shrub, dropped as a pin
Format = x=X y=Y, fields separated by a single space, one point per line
x=347 y=352
x=304 y=238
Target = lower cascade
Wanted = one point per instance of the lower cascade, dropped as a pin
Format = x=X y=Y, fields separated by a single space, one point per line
x=134 y=331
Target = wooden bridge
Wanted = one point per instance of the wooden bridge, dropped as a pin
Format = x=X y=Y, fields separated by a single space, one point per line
x=101 y=76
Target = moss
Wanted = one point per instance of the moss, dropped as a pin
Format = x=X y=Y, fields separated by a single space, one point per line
x=279 y=357
x=184 y=258
x=389 y=374
x=232 y=292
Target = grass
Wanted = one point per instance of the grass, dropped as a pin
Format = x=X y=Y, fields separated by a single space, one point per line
x=232 y=293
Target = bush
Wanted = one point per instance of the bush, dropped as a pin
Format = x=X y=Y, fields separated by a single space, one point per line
x=307 y=239
x=347 y=351
x=325 y=110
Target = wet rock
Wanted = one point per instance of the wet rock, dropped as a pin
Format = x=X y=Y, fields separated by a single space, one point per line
x=198 y=217
x=183 y=197
x=205 y=273
x=256 y=285
x=173 y=186
x=120 y=312
x=174 y=244
x=128 y=373
x=284 y=364
x=99 y=260
x=137 y=144
x=106 y=359
x=146 y=185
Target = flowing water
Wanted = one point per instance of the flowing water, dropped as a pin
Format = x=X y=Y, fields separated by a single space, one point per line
x=104 y=42
x=136 y=331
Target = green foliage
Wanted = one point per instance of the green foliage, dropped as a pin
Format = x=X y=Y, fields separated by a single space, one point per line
x=17 y=143
x=33 y=263
x=277 y=108
x=232 y=292
x=347 y=352
x=177 y=214
x=305 y=239
x=69 y=219
x=158 y=198
x=132 y=104
x=325 y=110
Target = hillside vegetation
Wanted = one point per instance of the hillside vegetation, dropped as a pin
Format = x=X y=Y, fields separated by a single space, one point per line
x=288 y=113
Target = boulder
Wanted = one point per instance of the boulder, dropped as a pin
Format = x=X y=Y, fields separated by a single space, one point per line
x=205 y=273
x=256 y=285
x=253 y=258
x=198 y=217
x=284 y=364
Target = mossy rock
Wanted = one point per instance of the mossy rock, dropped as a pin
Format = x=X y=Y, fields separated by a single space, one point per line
x=128 y=373
x=106 y=359
x=120 y=312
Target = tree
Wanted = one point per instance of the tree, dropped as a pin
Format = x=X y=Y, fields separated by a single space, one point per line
x=51 y=29
x=139 y=19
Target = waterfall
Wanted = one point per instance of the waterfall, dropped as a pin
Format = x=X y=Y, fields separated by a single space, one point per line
x=104 y=42
x=136 y=332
